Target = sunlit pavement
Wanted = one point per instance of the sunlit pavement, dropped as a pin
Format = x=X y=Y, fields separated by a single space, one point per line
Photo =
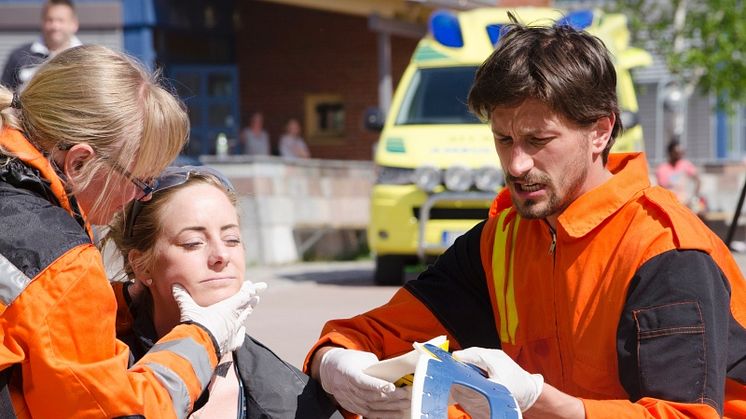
x=301 y=297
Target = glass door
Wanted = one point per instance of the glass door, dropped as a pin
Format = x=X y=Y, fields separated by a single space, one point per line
x=210 y=93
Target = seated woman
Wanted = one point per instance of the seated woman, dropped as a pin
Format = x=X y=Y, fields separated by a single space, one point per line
x=188 y=234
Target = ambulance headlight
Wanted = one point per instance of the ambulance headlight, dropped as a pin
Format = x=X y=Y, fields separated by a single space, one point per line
x=488 y=178
x=458 y=178
x=427 y=178
x=394 y=175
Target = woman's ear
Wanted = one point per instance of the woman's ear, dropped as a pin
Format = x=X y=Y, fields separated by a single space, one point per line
x=75 y=159
x=137 y=261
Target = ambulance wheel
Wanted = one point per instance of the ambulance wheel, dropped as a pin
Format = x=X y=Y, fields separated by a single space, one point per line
x=389 y=270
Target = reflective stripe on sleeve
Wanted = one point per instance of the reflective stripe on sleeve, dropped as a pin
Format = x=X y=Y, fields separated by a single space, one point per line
x=193 y=352
x=12 y=282
x=175 y=386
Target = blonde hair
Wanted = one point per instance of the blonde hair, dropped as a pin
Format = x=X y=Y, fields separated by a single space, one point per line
x=148 y=223
x=93 y=95
x=8 y=115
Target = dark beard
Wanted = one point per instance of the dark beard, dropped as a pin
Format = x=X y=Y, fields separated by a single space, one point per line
x=556 y=204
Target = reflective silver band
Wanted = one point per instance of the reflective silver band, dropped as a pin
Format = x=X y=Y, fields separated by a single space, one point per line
x=12 y=281
x=175 y=386
x=193 y=352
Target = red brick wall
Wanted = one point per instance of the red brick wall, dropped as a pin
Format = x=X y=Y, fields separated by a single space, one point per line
x=285 y=52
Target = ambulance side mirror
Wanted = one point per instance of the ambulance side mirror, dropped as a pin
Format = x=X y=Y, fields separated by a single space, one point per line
x=374 y=119
x=629 y=119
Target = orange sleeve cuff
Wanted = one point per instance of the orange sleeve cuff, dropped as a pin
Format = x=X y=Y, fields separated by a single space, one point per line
x=329 y=339
x=646 y=407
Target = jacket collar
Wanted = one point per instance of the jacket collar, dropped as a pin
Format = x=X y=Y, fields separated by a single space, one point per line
x=630 y=178
x=15 y=144
x=39 y=47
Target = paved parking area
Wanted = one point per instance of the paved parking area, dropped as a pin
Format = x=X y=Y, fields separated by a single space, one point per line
x=302 y=297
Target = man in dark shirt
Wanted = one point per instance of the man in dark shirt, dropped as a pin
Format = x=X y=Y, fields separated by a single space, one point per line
x=59 y=23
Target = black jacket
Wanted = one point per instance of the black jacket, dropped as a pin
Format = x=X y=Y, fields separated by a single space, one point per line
x=271 y=388
x=21 y=65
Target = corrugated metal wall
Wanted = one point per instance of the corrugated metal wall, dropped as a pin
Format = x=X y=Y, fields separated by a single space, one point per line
x=646 y=99
x=699 y=139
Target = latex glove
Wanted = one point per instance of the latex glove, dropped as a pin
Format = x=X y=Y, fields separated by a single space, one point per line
x=500 y=368
x=224 y=319
x=341 y=375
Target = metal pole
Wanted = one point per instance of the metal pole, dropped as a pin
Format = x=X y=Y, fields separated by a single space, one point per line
x=385 y=86
x=736 y=216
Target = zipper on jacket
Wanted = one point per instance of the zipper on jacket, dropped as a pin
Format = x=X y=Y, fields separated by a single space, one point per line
x=552 y=251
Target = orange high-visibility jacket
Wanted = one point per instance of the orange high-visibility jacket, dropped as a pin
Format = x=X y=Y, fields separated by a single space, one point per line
x=58 y=312
x=632 y=304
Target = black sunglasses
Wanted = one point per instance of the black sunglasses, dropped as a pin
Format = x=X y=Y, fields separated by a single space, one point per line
x=171 y=177
x=145 y=187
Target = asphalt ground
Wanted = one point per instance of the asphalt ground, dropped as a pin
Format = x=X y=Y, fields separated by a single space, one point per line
x=302 y=297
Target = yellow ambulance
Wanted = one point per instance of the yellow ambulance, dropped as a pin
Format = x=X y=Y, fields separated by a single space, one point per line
x=437 y=168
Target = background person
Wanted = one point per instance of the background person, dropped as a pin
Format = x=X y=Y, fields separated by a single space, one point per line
x=588 y=293
x=59 y=24
x=680 y=176
x=189 y=233
x=291 y=143
x=83 y=138
x=254 y=138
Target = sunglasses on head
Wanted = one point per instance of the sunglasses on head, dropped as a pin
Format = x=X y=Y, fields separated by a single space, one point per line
x=171 y=177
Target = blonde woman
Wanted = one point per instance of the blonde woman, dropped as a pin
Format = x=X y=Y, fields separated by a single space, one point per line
x=82 y=139
x=189 y=233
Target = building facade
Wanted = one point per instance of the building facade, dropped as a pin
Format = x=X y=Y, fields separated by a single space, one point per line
x=323 y=62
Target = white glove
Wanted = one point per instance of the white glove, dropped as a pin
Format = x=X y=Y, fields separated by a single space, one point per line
x=341 y=375
x=524 y=386
x=225 y=319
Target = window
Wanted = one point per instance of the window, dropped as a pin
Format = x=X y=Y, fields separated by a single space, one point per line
x=438 y=96
x=325 y=116
x=210 y=93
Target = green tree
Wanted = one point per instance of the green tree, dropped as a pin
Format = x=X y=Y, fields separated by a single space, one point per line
x=702 y=41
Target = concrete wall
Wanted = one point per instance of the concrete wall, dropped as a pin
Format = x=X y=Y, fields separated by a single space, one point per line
x=289 y=208
x=298 y=209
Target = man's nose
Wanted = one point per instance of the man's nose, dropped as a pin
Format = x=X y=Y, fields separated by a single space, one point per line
x=520 y=162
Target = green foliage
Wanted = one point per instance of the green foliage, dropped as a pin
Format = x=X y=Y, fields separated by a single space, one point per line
x=702 y=41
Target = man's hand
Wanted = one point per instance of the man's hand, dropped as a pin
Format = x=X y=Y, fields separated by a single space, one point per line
x=341 y=375
x=525 y=387
x=224 y=319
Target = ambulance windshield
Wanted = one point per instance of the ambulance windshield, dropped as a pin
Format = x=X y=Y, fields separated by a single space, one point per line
x=438 y=96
